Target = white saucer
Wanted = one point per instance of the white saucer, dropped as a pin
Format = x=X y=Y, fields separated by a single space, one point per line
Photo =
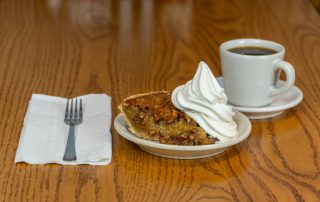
x=281 y=102
x=184 y=152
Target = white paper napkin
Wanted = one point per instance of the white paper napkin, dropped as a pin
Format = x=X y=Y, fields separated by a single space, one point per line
x=44 y=134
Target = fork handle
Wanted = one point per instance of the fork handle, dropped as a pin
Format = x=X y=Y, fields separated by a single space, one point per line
x=70 y=153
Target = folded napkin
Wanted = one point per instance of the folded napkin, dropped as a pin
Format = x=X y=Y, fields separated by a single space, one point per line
x=44 y=134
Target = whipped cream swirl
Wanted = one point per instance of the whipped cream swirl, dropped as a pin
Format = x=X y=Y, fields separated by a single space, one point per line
x=205 y=101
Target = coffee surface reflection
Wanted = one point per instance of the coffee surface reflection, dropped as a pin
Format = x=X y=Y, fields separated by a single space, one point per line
x=248 y=50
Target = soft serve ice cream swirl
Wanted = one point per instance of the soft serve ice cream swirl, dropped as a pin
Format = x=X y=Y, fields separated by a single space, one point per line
x=205 y=101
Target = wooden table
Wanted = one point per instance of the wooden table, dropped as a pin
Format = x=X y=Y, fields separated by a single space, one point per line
x=71 y=48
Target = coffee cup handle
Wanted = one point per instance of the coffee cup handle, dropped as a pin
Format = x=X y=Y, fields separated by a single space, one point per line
x=290 y=75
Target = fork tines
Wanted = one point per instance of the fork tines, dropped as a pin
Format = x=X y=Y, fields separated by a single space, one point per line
x=73 y=114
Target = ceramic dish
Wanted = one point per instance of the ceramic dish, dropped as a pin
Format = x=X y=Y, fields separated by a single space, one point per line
x=184 y=152
x=280 y=103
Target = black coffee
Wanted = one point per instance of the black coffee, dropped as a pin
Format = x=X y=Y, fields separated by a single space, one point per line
x=250 y=50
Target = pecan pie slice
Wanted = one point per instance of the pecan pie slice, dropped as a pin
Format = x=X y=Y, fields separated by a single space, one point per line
x=153 y=116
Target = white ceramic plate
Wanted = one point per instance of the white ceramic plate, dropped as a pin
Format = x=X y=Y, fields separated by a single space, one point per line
x=281 y=102
x=184 y=152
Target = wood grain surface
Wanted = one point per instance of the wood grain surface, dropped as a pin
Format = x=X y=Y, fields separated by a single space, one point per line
x=76 y=47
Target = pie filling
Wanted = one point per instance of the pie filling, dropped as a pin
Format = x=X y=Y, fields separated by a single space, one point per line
x=153 y=116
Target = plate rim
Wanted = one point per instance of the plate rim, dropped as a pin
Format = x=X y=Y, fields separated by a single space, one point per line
x=289 y=105
x=149 y=143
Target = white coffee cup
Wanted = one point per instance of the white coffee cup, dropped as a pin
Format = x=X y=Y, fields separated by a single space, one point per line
x=250 y=80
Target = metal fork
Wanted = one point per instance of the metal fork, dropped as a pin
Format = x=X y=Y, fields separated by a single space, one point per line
x=72 y=117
